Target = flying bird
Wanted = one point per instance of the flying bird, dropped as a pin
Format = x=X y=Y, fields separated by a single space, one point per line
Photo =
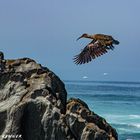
x=99 y=45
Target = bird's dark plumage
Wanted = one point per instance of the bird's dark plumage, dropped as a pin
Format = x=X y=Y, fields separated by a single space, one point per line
x=99 y=45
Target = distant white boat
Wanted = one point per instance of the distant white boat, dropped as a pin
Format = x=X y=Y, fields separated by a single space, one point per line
x=105 y=73
x=84 y=77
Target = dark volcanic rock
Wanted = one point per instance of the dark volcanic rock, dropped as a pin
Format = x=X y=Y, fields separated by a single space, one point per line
x=33 y=106
x=85 y=124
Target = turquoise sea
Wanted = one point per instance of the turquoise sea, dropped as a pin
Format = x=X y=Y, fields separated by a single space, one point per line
x=117 y=102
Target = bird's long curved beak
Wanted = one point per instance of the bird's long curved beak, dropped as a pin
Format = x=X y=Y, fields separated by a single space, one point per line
x=78 y=38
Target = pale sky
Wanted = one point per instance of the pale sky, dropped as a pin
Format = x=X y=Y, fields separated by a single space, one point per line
x=47 y=30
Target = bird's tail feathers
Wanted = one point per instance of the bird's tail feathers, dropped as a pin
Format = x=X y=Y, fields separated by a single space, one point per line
x=116 y=42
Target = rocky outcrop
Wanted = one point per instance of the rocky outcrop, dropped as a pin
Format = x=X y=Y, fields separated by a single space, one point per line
x=33 y=106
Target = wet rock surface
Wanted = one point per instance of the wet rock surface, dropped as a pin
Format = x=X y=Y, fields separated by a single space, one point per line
x=34 y=106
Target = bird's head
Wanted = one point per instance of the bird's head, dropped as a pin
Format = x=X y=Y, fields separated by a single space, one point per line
x=83 y=36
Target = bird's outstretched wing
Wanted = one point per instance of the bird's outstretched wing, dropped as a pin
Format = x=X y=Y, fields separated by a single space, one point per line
x=91 y=51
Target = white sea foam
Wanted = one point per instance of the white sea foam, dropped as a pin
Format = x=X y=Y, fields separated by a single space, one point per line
x=115 y=117
x=137 y=125
x=134 y=116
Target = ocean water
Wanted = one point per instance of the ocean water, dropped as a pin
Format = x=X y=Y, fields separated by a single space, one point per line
x=117 y=102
